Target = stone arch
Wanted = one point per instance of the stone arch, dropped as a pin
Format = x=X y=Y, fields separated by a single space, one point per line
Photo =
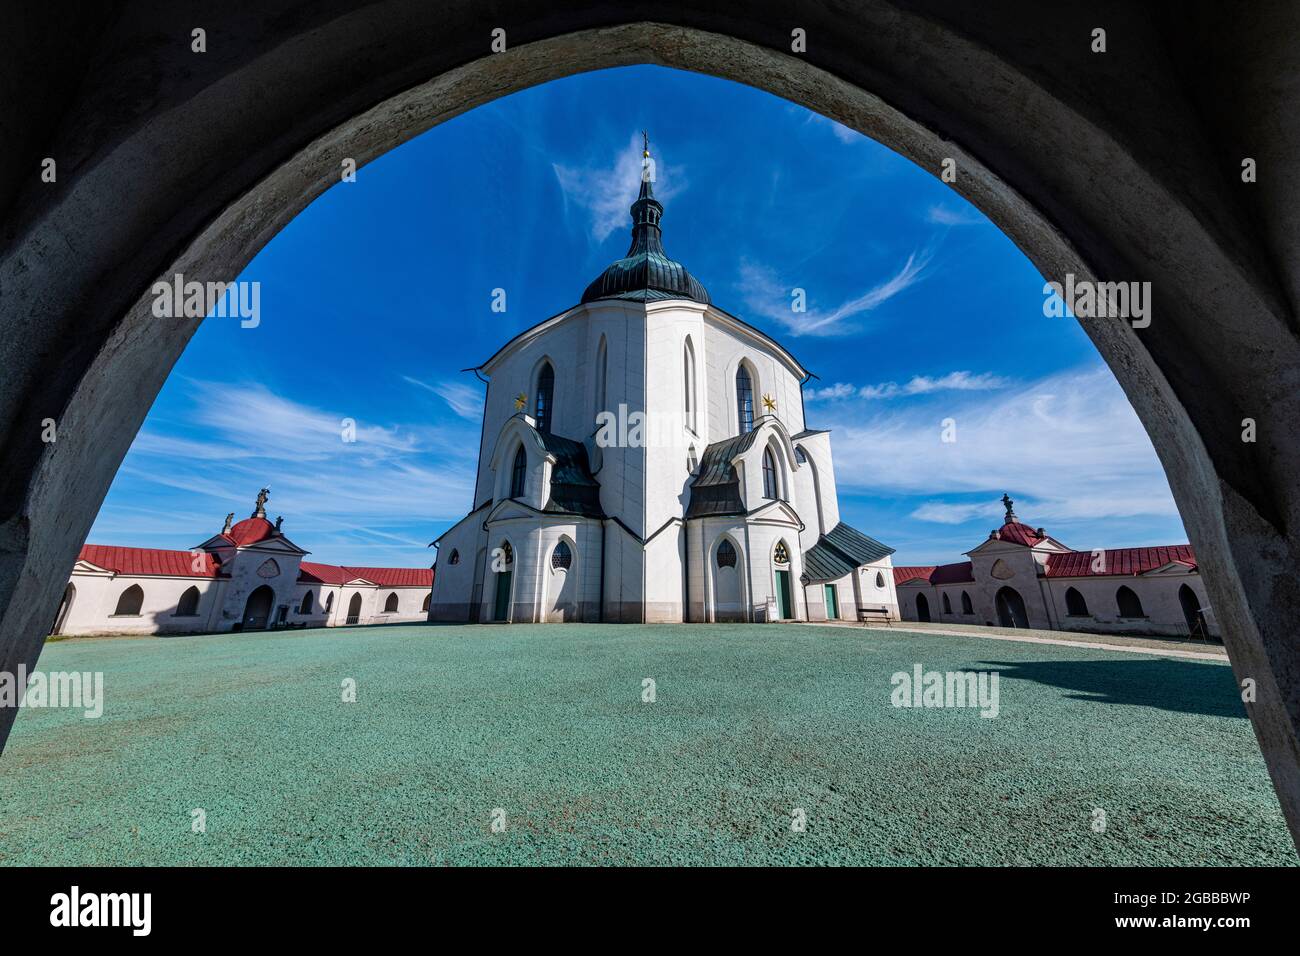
x=188 y=604
x=129 y=602
x=257 y=609
x=391 y=603
x=945 y=74
x=1075 y=605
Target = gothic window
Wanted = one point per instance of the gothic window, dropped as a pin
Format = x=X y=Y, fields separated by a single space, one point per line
x=454 y=557
x=966 y=607
x=518 y=473
x=130 y=601
x=307 y=604
x=800 y=455
x=780 y=555
x=602 y=377
x=562 y=557
x=688 y=383
x=188 y=605
x=947 y=604
x=880 y=580
x=507 y=553
x=390 y=606
x=329 y=600
x=1075 y=605
x=726 y=554
x=769 y=474
x=545 y=398
x=1129 y=605
x=425 y=606
x=744 y=400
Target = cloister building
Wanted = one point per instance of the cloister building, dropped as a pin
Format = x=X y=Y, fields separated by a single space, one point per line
x=247 y=577
x=1023 y=577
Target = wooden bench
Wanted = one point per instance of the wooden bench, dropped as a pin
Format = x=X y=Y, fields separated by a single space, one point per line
x=875 y=615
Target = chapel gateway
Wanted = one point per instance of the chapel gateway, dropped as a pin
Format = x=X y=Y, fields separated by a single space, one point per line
x=721 y=506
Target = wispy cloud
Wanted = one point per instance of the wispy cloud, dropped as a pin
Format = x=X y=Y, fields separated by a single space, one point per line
x=1066 y=447
x=943 y=215
x=604 y=190
x=377 y=498
x=917 y=385
x=837 y=129
x=463 y=399
x=765 y=295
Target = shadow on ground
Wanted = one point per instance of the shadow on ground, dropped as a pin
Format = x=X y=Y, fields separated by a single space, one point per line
x=1184 y=687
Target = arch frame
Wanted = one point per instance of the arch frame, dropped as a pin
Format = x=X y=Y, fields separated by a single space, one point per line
x=1222 y=256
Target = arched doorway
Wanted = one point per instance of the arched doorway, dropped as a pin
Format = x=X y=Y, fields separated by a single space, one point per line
x=728 y=584
x=922 y=608
x=354 y=609
x=257 y=609
x=1192 y=613
x=1011 y=608
x=943 y=70
x=65 y=607
x=503 y=566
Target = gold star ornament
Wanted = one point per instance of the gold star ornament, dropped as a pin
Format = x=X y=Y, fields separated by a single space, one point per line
x=769 y=403
x=521 y=402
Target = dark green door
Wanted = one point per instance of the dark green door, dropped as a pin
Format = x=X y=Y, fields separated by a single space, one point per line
x=783 y=595
x=501 y=608
x=832 y=603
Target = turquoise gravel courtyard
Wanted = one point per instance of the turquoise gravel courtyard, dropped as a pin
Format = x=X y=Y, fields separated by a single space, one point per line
x=544 y=730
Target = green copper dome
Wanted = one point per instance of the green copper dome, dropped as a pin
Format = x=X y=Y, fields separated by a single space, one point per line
x=646 y=273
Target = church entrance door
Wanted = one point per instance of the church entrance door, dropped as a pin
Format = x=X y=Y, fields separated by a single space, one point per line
x=501 y=604
x=783 y=595
x=258 y=608
x=1011 y=608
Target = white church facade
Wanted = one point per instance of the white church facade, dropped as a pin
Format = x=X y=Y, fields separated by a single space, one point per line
x=247 y=577
x=1022 y=577
x=645 y=458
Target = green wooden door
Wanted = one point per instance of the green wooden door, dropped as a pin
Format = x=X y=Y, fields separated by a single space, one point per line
x=832 y=603
x=501 y=606
x=783 y=595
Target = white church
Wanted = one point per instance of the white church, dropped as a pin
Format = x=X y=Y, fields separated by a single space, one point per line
x=645 y=458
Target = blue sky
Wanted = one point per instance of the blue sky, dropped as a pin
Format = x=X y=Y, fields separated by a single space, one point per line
x=377 y=295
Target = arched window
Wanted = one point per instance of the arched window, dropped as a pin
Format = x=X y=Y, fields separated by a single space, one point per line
x=545 y=398
x=425 y=606
x=726 y=554
x=1075 y=605
x=947 y=605
x=507 y=553
x=966 y=607
x=518 y=473
x=188 y=605
x=602 y=377
x=130 y=601
x=688 y=382
x=329 y=601
x=1129 y=605
x=308 y=604
x=769 y=474
x=562 y=556
x=454 y=557
x=880 y=580
x=780 y=554
x=800 y=455
x=390 y=606
x=744 y=400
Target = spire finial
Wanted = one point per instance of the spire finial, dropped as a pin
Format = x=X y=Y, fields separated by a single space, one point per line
x=1009 y=505
x=645 y=145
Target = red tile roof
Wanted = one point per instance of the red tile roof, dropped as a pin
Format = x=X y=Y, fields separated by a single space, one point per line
x=1119 y=561
x=909 y=572
x=250 y=531
x=151 y=561
x=959 y=573
x=1018 y=533
x=314 y=573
